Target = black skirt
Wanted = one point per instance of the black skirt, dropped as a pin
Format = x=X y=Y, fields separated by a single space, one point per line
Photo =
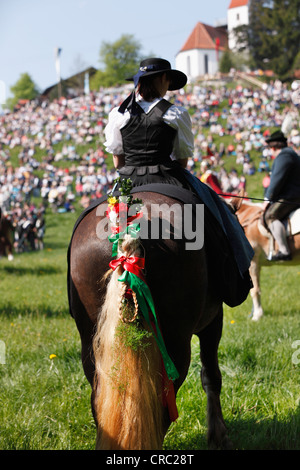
x=169 y=174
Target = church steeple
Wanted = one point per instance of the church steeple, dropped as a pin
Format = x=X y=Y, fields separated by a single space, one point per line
x=238 y=3
x=237 y=15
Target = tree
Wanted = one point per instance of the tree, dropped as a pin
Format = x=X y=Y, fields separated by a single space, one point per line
x=120 y=60
x=283 y=43
x=226 y=62
x=23 y=89
x=296 y=64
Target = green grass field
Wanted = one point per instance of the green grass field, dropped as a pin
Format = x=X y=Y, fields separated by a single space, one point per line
x=45 y=399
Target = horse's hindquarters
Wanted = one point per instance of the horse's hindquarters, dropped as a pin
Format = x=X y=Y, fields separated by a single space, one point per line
x=185 y=304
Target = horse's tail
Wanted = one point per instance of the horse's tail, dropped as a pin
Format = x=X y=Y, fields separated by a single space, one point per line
x=128 y=381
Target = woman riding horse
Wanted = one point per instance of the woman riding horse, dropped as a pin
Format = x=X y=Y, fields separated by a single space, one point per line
x=151 y=140
x=131 y=396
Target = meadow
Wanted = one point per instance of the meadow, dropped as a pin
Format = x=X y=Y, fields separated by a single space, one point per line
x=45 y=397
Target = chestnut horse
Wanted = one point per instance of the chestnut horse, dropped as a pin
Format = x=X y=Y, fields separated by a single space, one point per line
x=132 y=414
x=250 y=217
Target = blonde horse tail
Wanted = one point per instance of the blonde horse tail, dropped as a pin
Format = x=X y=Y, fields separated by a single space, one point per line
x=128 y=400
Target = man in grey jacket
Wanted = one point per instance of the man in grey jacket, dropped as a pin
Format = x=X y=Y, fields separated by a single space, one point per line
x=283 y=194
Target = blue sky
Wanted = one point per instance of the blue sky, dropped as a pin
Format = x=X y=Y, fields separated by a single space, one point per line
x=31 y=29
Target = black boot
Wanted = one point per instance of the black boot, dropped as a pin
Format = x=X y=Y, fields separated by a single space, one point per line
x=281 y=257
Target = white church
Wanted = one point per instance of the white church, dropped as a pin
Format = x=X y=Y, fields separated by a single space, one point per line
x=204 y=47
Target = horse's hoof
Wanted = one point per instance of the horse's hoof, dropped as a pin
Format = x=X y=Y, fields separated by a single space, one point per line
x=220 y=440
x=256 y=317
x=225 y=444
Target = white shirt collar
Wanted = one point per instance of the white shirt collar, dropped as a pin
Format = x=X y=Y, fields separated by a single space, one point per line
x=147 y=105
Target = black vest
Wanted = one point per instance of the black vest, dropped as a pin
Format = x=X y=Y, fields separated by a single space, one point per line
x=147 y=139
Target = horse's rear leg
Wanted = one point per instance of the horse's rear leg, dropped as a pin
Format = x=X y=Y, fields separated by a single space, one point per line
x=212 y=382
x=257 y=311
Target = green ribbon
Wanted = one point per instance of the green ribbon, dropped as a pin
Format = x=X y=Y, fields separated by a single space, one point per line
x=132 y=230
x=144 y=298
x=145 y=302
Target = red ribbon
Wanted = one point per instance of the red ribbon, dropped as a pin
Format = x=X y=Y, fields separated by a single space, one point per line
x=134 y=217
x=132 y=264
x=169 y=397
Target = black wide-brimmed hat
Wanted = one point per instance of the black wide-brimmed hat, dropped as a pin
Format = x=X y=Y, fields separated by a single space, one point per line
x=277 y=136
x=153 y=66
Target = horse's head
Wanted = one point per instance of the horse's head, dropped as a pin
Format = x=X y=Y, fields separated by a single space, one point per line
x=234 y=204
x=236 y=201
x=248 y=213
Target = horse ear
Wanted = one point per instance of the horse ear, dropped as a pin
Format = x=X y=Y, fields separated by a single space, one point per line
x=237 y=201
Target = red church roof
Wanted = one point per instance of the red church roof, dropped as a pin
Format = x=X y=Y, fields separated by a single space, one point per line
x=238 y=3
x=204 y=37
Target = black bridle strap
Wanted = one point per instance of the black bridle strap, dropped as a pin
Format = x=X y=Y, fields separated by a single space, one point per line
x=258 y=199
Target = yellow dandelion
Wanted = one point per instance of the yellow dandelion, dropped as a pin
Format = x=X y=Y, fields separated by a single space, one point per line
x=232 y=322
x=52 y=356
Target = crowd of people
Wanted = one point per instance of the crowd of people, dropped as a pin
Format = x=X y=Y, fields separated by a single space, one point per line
x=61 y=157
x=247 y=119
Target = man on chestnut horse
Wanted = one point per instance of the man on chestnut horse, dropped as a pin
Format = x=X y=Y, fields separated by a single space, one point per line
x=283 y=194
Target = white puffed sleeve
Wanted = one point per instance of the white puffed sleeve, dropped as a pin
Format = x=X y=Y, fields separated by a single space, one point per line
x=179 y=118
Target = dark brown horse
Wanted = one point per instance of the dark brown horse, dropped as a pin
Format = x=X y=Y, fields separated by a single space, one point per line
x=6 y=237
x=131 y=414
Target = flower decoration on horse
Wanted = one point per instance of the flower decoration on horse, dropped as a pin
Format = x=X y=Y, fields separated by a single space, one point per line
x=124 y=214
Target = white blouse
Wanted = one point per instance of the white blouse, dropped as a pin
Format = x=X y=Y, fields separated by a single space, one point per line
x=176 y=116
